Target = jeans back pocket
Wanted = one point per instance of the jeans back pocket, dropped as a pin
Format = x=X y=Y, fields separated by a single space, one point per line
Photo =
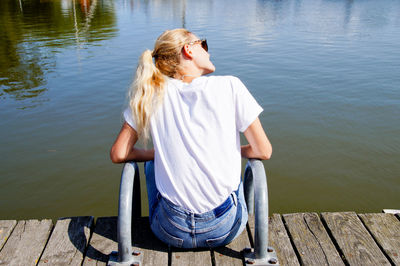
x=226 y=238
x=163 y=235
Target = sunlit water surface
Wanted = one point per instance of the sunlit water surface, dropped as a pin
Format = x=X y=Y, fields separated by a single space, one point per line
x=326 y=72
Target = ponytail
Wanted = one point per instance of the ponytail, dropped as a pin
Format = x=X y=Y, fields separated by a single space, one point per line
x=146 y=92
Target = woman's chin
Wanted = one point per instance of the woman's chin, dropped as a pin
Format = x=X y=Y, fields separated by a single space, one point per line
x=210 y=70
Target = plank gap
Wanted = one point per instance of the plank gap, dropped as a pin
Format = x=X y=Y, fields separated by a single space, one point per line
x=250 y=234
x=9 y=234
x=316 y=238
x=212 y=255
x=376 y=241
x=89 y=239
x=342 y=256
x=47 y=242
x=102 y=242
x=26 y=243
x=169 y=255
x=291 y=241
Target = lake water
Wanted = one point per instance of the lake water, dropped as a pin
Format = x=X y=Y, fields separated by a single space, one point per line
x=326 y=72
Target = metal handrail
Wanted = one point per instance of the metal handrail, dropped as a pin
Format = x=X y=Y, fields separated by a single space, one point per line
x=129 y=184
x=256 y=196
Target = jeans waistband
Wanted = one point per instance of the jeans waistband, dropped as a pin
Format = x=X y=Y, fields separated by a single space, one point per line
x=216 y=212
x=226 y=205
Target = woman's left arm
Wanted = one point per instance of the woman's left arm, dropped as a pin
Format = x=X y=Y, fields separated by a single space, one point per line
x=123 y=149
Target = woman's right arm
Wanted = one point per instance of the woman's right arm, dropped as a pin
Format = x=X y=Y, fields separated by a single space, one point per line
x=123 y=149
x=259 y=146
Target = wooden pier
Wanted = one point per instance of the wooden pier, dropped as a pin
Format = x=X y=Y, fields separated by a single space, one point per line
x=331 y=238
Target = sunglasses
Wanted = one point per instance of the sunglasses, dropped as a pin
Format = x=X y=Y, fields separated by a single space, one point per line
x=203 y=43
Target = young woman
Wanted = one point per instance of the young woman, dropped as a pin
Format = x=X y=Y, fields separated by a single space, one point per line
x=193 y=173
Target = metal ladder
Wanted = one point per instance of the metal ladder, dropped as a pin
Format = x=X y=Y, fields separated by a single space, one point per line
x=256 y=195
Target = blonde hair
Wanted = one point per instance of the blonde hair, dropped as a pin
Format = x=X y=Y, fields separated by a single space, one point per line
x=147 y=89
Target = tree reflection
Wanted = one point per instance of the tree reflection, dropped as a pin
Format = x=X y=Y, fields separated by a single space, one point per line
x=33 y=30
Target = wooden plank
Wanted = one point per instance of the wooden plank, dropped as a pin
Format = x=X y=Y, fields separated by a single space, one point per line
x=190 y=257
x=26 y=243
x=392 y=211
x=6 y=227
x=279 y=240
x=353 y=239
x=102 y=242
x=311 y=240
x=68 y=241
x=154 y=251
x=231 y=254
x=385 y=228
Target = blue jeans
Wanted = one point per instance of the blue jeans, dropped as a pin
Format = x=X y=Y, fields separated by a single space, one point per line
x=181 y=228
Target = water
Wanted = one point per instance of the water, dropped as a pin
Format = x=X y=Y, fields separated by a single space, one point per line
x=326 y=72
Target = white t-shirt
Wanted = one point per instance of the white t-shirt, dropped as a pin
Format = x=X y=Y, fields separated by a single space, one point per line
x=195 y=133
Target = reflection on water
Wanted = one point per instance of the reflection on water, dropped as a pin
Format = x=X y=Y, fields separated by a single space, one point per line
x=32 y=33
x=326 y=73
x=173 y=9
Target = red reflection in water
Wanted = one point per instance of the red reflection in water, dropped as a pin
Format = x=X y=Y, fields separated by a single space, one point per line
x=84 y=5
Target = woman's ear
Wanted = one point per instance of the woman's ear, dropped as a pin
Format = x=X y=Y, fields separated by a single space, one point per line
x=187 y=51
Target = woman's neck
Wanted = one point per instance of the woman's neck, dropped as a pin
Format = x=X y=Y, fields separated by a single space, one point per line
x=188 y=78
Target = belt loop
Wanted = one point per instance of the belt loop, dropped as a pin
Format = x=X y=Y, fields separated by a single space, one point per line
x=234 y=197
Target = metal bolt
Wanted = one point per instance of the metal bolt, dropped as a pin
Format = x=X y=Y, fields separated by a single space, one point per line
x=270 y=250
x=136 y=253
x=135 y=264
x=272 y=261
x=250 y=261
x=247 y=250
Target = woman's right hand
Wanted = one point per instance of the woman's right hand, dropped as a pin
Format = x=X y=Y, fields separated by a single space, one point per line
x=259 y=146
